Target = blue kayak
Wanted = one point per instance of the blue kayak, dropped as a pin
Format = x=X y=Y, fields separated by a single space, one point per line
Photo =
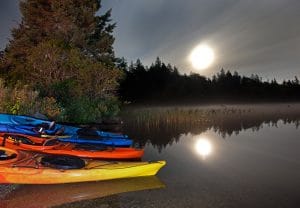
x=16 y=129
x=95 y=140
x=37 y=127
x=31 y=121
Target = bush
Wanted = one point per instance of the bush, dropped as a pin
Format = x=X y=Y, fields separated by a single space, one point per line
x=22 y=100
x=84 y=110
x=51 y=108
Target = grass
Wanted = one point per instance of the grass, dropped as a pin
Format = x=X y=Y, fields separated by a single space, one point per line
x=209 y=114
x=169 y=122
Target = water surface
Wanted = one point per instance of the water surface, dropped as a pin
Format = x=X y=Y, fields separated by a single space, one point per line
x=226 y=158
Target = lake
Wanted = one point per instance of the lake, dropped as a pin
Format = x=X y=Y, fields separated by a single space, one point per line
x=217 y=156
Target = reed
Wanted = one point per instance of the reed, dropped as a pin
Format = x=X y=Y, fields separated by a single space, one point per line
x=144 y=122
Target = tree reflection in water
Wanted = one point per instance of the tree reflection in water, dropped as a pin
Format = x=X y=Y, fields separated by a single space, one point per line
x=162 y=126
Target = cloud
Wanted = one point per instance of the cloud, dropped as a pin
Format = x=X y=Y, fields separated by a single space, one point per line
x=250 y=36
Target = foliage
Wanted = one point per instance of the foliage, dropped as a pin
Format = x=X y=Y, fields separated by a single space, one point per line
x=23 y=100
x=49 y=107
x=53 y=65
x=84 y=110
x=63 y=50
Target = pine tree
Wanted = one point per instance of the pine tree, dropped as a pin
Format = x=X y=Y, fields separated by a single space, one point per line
x=63 y=49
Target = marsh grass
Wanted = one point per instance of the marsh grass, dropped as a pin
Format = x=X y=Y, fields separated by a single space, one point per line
x=209 y=114
x=145 y=122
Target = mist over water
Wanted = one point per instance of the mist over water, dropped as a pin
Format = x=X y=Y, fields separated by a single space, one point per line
x=144 y=123
x=250 y=157
x=217 y=156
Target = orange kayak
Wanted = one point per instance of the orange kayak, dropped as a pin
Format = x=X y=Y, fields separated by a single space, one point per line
x=22 y=167
x=53 y=146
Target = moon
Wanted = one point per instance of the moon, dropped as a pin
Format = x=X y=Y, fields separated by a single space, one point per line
x=203 y=147
x=202 y=56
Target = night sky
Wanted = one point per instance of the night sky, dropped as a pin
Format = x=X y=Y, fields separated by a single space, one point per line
x=249 y=36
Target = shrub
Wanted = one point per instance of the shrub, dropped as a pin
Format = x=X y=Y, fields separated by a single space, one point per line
x=25 y=101
x=84 y=110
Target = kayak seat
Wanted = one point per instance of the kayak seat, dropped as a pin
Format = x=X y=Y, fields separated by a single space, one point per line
x=87 y=132
x=63 y=162
x=4 y=156
x=18 y=138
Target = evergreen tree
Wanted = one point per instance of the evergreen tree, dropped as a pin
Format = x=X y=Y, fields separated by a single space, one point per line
x=163 y=83
x=63 y=49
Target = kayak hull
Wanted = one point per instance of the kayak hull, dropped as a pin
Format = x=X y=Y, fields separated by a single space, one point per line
x=115 y=153
x=27 y=169
x=103 y=141
x=68 y=130
x=23 y=175
x=73 y=138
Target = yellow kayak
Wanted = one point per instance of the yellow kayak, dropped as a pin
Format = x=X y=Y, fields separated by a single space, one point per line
x=28 y=168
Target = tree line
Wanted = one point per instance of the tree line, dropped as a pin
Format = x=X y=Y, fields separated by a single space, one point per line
x=163 y=83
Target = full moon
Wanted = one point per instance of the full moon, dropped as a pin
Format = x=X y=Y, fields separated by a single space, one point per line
x=203 y=147
x=202 y=56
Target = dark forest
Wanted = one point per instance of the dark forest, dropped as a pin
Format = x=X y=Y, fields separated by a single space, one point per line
x=162 y=83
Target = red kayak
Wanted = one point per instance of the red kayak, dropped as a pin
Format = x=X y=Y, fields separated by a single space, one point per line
x=53 y=146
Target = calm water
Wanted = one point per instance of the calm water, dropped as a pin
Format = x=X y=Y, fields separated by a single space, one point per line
x=245 y=163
